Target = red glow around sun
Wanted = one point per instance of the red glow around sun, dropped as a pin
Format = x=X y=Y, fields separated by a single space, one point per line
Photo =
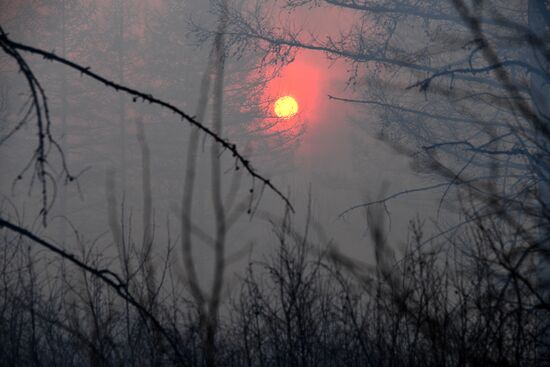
x=295 y=94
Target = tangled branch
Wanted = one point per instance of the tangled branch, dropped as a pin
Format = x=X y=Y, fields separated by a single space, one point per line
x=108 y=277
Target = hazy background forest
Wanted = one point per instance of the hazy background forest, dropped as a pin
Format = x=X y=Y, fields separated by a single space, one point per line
x=158 y=208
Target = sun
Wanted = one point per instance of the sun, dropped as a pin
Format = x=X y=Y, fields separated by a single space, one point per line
x=286 y=107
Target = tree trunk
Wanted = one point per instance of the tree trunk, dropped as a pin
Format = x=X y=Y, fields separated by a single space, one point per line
x=121 y=104
x=538 y=15
x=64 y=148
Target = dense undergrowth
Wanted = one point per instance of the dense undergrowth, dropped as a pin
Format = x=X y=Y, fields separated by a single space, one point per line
x=462 y=301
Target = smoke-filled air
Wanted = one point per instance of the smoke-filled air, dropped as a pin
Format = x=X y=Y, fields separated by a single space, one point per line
x=275 y=183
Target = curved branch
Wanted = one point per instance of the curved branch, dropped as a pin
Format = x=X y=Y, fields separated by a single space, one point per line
x=413 y=111
x=136 y=94
x=425 y=83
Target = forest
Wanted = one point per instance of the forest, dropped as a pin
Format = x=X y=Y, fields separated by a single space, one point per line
x=275 y=183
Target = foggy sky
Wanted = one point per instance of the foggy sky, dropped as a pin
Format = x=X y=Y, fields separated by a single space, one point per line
x=161 y=57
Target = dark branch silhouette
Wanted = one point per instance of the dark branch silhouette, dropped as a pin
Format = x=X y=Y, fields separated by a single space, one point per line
x=8 y=46
x=108 y=277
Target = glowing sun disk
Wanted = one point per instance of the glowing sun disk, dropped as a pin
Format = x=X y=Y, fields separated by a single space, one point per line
x=286 y=107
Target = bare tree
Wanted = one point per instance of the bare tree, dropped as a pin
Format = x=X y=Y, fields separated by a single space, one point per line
x=477 y=296
x=208 y=305
x=479 y=123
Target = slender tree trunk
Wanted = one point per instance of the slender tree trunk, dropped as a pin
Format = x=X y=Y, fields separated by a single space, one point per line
x=64 y=145
x=540 y=90
x=538 y=13
x=217 y=200
x=121 y=103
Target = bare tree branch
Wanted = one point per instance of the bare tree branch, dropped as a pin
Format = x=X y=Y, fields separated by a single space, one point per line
x=108 y=277
x=8 y=45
